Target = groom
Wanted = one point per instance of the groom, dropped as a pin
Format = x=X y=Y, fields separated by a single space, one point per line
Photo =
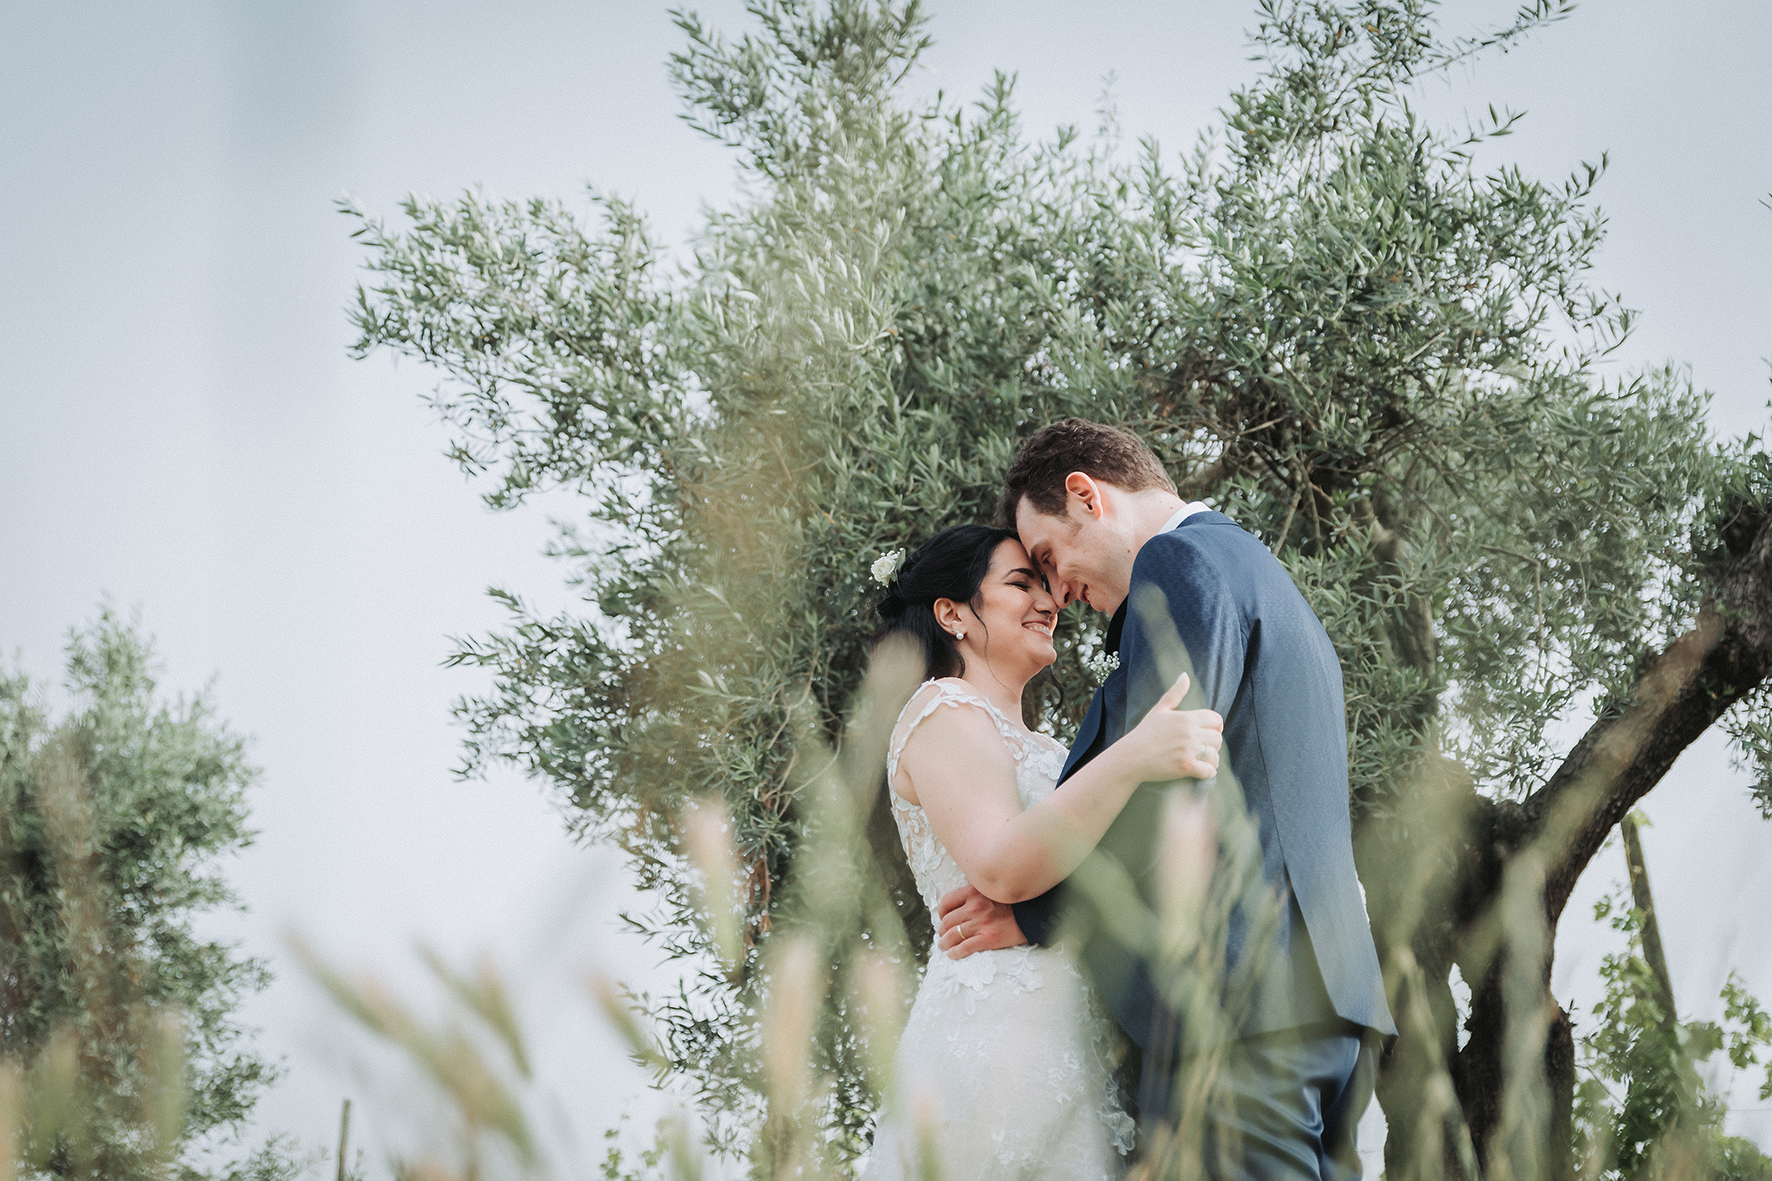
x=1102 y=520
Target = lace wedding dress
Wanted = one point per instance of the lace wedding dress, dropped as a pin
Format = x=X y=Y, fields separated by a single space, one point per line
x=1003 y=1070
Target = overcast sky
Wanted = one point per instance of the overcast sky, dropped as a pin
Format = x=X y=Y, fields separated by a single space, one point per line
x=181 y=430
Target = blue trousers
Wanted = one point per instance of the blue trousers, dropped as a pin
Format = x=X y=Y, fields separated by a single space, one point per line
x=1290 y=1105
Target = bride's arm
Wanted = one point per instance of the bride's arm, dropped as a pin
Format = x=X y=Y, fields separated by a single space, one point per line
x=964 y=778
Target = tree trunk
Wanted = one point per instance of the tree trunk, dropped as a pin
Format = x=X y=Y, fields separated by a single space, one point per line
x=1436 y=888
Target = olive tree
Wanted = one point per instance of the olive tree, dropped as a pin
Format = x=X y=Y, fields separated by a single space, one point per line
x=121 y=1050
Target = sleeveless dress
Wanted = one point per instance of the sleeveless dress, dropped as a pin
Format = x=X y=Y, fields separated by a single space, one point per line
x=1004 y=1068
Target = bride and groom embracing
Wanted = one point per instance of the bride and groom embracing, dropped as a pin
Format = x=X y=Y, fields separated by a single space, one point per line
x=1006 y=1067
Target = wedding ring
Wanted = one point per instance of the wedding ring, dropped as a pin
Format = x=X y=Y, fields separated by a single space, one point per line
x=962 y=929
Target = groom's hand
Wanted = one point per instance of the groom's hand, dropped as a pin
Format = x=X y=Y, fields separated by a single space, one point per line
x=971 y=922
x=1174 y=743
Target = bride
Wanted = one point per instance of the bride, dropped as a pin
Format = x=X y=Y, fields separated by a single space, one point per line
x=1003 y=1069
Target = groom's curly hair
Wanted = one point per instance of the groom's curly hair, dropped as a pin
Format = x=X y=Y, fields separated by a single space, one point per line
x=1076 y=445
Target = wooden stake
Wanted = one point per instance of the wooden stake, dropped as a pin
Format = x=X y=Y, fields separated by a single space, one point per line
x=1645 y=902
x=344 y=1133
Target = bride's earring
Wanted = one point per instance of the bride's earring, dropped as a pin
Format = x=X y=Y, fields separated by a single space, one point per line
x=959 y=635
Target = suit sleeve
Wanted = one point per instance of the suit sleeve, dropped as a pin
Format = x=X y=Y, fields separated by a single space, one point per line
x=1038 y=917
x=1197 y=608
x=1208 y=621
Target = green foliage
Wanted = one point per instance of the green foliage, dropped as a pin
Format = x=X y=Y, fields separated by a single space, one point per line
x=651 y=1163
x=1325 y=318
x=1740 y=1159
x=281 y=1158
x=1749 y=1030
x=113 y=826
x=1641 y=1048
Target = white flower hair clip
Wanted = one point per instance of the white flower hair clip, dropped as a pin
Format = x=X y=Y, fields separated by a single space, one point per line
x=887 y=566
x=1101 y=665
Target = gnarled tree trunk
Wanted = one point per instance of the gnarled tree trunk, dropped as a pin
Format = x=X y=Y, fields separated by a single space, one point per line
x=1438 y=885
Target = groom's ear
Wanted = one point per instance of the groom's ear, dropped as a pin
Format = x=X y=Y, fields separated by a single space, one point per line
x=1081 y=490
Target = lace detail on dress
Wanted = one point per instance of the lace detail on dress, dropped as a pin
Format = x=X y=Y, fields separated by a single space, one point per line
x=1038 y=760
x=1010 y=1046
x=1048 y=752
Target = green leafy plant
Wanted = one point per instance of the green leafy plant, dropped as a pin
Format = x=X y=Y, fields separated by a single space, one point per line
x=1640 y=1048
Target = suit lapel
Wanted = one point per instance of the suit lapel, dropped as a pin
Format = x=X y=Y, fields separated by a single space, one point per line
x=1090 y=730
x=1086 y=734
x=1110 y=643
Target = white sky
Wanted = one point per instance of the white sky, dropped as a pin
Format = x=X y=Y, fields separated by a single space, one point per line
x=180 y=428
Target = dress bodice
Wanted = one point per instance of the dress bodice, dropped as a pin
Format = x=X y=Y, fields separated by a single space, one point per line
x=1038 y=761
x=1008 y=1046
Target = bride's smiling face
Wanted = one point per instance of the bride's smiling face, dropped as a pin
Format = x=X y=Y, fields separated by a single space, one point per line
x=1009 y=626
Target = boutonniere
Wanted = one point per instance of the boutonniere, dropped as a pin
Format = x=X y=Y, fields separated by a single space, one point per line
x=1101 y=665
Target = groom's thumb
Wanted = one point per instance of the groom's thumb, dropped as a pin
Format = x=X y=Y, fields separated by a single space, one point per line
x=1176 y=692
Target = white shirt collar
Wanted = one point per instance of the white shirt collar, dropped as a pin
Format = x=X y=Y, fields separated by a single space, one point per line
x=1183 y=513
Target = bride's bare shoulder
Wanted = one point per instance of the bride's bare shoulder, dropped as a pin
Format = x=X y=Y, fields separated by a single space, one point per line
x=933 y=692
x=935 y=719
x=928 y=699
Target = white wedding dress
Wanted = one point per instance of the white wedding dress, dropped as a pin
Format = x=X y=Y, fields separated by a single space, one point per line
x=1003 y=1070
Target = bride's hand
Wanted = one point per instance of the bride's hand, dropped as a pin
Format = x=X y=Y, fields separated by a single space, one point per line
x=1175 y=744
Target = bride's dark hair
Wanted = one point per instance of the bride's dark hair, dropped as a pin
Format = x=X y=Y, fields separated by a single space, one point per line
x=950 y=565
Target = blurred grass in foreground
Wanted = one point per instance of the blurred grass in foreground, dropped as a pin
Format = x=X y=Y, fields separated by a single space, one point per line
x=819 y=973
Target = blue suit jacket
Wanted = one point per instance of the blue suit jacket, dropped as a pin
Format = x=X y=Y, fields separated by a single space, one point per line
x=1259 y=656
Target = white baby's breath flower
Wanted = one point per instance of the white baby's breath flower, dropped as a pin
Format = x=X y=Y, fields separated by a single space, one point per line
x=886 y=566
x=1101 y=664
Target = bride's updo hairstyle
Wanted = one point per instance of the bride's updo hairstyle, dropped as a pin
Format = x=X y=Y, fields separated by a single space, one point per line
x=950 y=565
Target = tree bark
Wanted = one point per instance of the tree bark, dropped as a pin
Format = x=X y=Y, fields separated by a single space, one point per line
x=1682 y=691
